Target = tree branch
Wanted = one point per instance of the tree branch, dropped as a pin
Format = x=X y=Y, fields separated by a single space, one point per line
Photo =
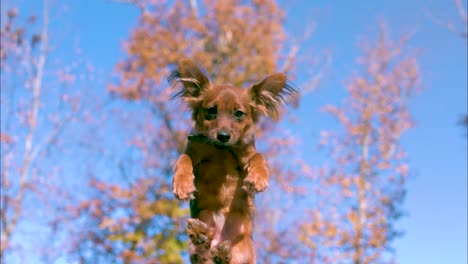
x=36 y=86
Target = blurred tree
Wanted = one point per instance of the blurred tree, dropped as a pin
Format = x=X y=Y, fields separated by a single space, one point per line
x=237 y=42
x=36 y=108
x=363 y=185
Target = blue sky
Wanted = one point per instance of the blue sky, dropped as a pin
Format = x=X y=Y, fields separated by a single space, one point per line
x=436 y=225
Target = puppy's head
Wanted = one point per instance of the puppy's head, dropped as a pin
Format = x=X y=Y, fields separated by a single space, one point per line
x=224 y=115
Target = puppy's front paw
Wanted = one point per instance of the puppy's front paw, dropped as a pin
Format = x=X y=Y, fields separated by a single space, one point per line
x=256 y=180
x=184 y=189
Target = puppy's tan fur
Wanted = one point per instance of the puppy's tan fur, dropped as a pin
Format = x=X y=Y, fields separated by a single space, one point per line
x=220 y=170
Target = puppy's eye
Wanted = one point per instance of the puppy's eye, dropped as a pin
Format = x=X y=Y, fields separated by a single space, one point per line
x=211 y=113
x=239 y=114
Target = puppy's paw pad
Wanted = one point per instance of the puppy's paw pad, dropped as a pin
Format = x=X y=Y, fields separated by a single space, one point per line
x=249 y=187
x=255 y=184
x=198 y=232
x=222 y=253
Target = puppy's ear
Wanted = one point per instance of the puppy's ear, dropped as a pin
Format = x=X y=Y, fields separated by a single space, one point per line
x=192 y=78
x=268 y=95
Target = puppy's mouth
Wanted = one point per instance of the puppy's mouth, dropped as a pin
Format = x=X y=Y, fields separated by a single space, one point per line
x=204 y=139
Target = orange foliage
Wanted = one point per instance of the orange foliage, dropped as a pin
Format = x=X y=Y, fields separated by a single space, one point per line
x=365 y=184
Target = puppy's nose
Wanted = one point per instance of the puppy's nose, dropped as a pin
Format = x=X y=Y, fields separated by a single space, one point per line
x=223 y=136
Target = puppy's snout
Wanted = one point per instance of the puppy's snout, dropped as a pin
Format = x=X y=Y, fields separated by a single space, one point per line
x=223 y=136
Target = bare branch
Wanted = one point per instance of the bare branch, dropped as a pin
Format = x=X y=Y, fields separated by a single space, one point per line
x=36 y=86
x=194 y=7
x=295 y=49
x=449 y=25
x=461 y=11
x=136 y=3
x=51 y=138
x=313 y=82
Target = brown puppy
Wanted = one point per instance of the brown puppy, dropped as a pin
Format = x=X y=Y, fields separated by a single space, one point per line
x=220 y=170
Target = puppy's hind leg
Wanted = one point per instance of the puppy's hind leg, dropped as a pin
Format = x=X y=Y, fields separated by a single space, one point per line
x=200 y=235
x=243 y=251
x=221 y=254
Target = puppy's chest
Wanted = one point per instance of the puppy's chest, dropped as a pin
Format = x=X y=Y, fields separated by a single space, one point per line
x=219 y=166
x=217 y=177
